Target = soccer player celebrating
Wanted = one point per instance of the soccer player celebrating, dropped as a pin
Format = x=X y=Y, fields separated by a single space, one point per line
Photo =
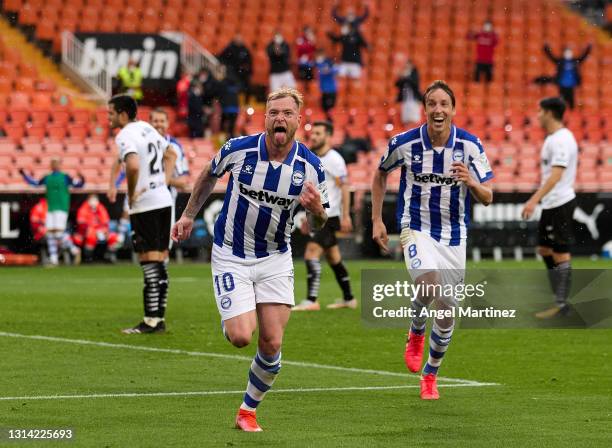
x=57 y=185
x=147 y=166
x=325 y=239
x=440 y=164
x=271 y=174
x=559 y=158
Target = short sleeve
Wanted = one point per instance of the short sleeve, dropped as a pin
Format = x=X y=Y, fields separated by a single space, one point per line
x=321 y=184
x=223 y=160
x=125 y=147
x=479 y=163
x=338 y=168
x=392 y=158
x=560 y=153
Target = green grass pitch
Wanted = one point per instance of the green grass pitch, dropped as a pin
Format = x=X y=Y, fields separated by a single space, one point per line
x=553 y=386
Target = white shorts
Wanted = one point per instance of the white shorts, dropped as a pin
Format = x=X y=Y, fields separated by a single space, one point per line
x=56 y=220
x=350 y=69
x=278 y=80
x=423 y=254
x=241 y=284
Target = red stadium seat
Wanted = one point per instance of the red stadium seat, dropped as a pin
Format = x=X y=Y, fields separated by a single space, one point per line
x=56 y=131
x=14 y=131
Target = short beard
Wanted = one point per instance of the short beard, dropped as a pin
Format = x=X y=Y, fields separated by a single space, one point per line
x=318 y=147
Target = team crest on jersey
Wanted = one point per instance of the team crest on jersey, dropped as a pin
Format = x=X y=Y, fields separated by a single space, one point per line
x=297 y=178
x=457 y=155
x=226 y=303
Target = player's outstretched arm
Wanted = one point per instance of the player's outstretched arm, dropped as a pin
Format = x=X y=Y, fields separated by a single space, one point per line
x=311 y=201
x=202 y=189
x=379 y=231
x=483 y=193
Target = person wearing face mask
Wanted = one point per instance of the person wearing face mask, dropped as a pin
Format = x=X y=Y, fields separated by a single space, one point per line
x=352 y=42
x=486 y=41
x=93 y=228
x=568 y=71
x=279 y=55
x=409 y=94
x=305 y=47
x=351 y=18
x=327 y=82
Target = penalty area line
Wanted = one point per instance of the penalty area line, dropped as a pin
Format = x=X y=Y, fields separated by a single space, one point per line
x=234 y=357
x=230 y=392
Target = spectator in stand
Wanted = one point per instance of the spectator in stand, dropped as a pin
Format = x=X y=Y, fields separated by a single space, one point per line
x=352 y=42
x=130 y=80
x=182 y=94
x=195 y=117
x=327 y=82
x=351 y=18
x=486 y=41
x=38 y=218
x=279 y=55
x=237 y=58
x=57 y=193
x=210 y=92
x=228 y=97
x=409 y=94
x=93 y=228
x=568 y=71
x=306 y=48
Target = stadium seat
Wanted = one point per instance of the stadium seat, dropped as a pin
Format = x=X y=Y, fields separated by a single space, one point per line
x=56 y=131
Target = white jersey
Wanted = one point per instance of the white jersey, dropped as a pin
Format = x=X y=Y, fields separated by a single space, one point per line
x=335 y=175
x=559 y=149
x=181 y=164
x=262 y=196
x=140 y=138
x=430 y=199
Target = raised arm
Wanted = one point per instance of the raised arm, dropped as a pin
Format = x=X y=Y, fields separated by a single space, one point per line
x=585 y=53
x=30 y=180
x=549 y=54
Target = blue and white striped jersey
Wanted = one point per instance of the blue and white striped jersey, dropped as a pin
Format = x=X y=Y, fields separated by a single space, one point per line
x=181 y=164
x=430 y=200
x=262 y=195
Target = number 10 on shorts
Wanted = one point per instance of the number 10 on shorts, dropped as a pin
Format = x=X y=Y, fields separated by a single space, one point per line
x=224 y=283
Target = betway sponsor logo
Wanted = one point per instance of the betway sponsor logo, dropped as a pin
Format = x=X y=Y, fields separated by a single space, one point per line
x=154 y=64
x=434 y=179
x=264 y=196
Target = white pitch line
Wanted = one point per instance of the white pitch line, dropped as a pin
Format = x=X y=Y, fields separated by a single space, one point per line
x=230 y=392
x=233 y=357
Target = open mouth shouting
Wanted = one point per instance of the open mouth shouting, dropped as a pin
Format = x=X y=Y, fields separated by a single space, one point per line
x=280 y=134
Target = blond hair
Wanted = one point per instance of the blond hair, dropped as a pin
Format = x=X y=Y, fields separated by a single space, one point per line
x=287 y=92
